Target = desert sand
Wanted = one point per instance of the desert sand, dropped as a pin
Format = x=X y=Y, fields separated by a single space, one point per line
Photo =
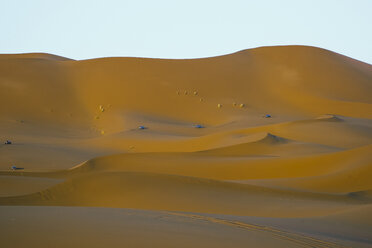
x=281 y=157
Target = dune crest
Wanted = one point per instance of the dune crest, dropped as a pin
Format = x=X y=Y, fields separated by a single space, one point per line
x=329 y=117
x=268 y=147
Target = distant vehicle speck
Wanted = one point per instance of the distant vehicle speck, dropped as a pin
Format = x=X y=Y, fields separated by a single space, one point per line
x=198 y=126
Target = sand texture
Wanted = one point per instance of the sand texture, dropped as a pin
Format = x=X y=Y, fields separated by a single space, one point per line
x=267 y=147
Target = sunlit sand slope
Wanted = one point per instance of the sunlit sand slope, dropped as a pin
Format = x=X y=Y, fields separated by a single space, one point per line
x=247 y=148
x=99 y=227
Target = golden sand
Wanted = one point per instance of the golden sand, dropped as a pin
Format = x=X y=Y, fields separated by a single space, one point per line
x=267 y=147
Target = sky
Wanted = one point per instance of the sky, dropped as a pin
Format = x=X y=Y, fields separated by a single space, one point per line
x=83 y=29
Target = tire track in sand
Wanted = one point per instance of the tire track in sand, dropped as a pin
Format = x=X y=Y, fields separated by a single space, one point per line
x=300 y=239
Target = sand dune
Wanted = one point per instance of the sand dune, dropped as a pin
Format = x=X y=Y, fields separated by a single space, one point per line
x=176 y=193
x=267 y=147
x=140 y=228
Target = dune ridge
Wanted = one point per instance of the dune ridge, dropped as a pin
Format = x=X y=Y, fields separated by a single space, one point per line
x=260 y=142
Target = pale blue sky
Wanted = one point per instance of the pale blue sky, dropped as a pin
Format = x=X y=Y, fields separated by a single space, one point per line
x=82 y=29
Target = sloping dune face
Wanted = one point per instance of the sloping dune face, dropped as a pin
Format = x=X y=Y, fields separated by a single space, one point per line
x=268 y=147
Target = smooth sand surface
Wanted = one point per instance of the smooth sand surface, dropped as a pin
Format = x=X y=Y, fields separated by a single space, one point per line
x=90 y=177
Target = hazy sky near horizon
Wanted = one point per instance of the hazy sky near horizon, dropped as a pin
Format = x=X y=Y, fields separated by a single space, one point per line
x=82 y=29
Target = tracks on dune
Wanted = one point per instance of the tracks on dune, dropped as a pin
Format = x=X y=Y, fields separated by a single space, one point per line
x=299 y=239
